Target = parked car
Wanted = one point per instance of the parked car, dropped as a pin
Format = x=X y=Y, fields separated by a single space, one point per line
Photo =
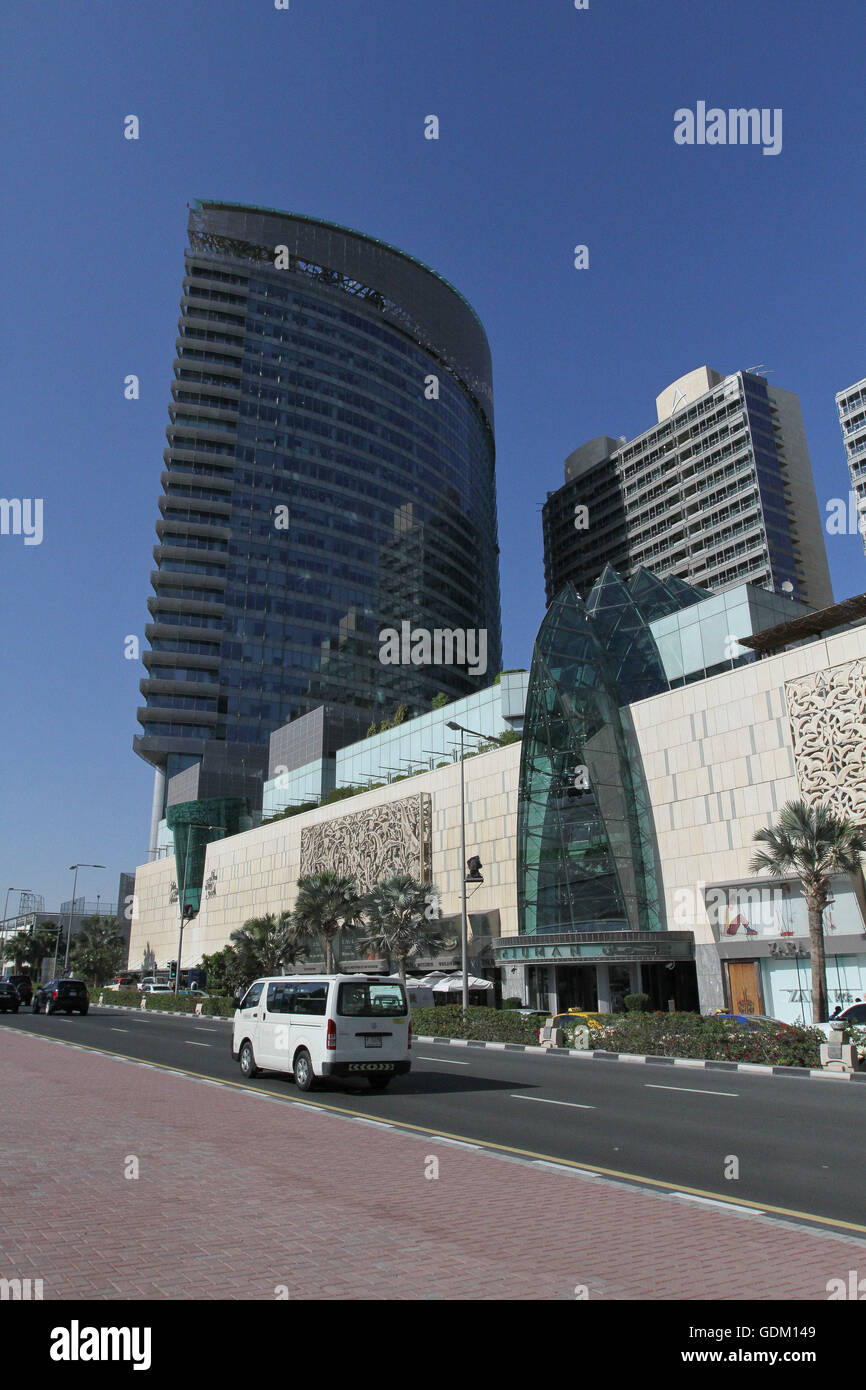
x=156 y=989
x=324 y=1025
x=854 y=1013
x=24 y=986
x=124 y=982
x=755 y=1023
x=585 y=1018
x=9 y=1001
x=62 y=996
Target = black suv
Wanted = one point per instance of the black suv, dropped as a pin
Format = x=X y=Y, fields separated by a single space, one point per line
x=24 y=986
x=62 y=996
x=8 y=997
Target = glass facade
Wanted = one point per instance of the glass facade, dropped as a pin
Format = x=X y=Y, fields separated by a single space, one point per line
x=585 y=854
x=313 y=495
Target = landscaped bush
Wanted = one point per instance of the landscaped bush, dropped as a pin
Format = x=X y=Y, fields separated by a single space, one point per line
x=715 y=1039
x=481 y=1024
x=130 y=997
x=637 y=1003
x=182 y=1004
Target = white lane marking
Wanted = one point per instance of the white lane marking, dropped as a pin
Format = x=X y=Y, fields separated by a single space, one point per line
x=542 y=1100
x=695 y=1090
x=118 y=1030
x=195 y=1044
x=713 y=1202
x=449 y=1061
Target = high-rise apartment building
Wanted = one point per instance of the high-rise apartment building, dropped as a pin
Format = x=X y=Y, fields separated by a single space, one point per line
x=329 y=473
x=718 y=492
x=851 y=404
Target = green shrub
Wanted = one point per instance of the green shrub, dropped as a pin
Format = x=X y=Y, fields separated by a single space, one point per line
x=637 y=1003
x=480 y=1024
x=218 y=1008
x=716 y=1039
x=119 y=996
x=513 y=1002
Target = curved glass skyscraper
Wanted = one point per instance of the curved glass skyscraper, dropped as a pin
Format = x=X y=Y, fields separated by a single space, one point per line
x=329 y=474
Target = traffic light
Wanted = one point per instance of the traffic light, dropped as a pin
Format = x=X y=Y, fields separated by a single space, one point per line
x=172 y=970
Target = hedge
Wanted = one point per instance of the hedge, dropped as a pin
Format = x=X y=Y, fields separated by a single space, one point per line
x=480 y=1024
x=184 y=1003
x=714 y=1039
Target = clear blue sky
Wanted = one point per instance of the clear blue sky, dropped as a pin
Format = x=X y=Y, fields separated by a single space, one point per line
x=556 y=129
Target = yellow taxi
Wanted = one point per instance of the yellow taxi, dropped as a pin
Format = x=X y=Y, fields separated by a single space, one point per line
x=588 y=1018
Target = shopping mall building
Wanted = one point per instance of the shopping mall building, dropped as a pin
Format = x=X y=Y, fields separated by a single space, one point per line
x=660 y=726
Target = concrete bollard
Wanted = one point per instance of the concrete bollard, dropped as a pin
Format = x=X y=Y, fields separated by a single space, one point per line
x=838 y=1054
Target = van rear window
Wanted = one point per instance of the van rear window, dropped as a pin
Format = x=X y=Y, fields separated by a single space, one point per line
x=369 y=999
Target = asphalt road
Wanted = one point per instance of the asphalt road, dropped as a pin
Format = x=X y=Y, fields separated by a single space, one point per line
x=796 y=1143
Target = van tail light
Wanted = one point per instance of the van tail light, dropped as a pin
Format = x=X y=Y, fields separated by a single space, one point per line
x=410 y=1034
x=331 y=1036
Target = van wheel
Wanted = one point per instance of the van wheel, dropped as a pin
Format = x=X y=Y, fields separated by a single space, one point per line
x=304 y=1077
x=378 y=1083
x=247 y=1060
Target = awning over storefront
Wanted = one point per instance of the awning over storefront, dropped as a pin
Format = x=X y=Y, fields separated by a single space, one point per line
x=452 y=984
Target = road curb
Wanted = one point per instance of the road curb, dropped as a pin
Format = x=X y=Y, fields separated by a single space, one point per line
x=167 y=1013
x=750 y=1068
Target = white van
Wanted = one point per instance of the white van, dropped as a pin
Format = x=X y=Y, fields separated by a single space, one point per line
x=324 y=1025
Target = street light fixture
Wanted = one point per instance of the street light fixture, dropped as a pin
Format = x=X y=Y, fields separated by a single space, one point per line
x=182 y=894
x=76 y=867
x=474 y=875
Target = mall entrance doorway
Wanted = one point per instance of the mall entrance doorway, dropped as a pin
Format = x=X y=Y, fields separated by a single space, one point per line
x=576 y=987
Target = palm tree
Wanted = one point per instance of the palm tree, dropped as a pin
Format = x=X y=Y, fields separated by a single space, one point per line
x=43 y=942
x=18 y=949
x=98 y=949
x=266 y=945
x=327 y=902
x=813 y=843
x=397 y=913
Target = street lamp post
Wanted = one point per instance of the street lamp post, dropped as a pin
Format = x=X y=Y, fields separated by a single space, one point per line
x=3 y=932
x=182 y=894
x=464 y=920
x=76 y=867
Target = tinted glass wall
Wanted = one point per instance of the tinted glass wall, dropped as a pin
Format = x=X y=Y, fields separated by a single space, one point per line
x=318 y=488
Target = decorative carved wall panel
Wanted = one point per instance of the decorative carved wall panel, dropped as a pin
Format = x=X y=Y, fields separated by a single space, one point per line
x=373 y=844
x=827 y=713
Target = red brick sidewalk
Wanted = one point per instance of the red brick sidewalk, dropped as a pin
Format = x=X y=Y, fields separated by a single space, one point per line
x=238 y=1196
